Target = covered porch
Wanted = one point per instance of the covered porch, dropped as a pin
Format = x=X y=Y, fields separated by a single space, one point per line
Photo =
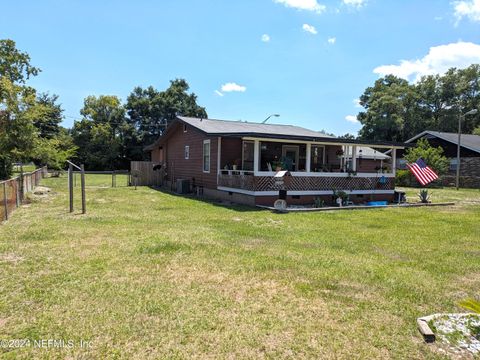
x=248 y=165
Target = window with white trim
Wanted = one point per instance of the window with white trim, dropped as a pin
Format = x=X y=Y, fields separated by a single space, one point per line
x=206 y=156
x=187 y=152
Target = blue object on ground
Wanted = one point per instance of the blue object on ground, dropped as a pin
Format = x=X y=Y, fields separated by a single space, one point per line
x=377 y=203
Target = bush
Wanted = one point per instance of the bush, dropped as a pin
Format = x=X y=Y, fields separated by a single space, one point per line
x=432 y=156
x=404 y=178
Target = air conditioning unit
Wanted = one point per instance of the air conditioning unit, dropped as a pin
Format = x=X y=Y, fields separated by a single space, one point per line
x=183 y=186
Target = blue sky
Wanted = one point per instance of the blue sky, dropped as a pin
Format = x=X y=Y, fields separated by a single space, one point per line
x=316 y=56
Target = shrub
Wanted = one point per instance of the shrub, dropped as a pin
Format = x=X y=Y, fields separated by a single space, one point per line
x=424 y=196
x=432 y=156
x=404 y=178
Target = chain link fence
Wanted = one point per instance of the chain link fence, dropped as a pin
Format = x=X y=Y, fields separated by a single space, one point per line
x=12 y=191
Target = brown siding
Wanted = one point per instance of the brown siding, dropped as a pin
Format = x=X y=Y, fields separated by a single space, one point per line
x=369 y=165
x=191 y=169
x=331 y=157
x=156 y=155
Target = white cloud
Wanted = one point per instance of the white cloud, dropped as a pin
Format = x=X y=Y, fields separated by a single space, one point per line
x=265 y=38
x=438 y=60
x=309 y=28
x=332 y=40
x=218 y=93
x=231 y=86
x=355 y=3
x=438 y=18
x=351 y=118
x=469 y=9
x=356 y=103
x=310 y=5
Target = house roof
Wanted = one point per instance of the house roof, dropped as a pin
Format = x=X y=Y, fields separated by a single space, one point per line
x=219 y=127
x=215 y=127
x=369 y=153
x=468 y=141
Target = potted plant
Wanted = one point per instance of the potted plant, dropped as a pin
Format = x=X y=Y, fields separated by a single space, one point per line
x=236 y=164
x=351 y=173
x=277 y=165
x=340 y=197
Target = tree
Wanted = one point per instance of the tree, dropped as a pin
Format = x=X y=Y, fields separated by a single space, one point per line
x=49 y=116
x=386 y=105
x=431 y=155
x=150 y=111
x=54 y=152
x=476 y=131
x=17 y=132
x=99 y=135
x=347 y=136
x=29 y=124
x=396 y=110
x=14 y=64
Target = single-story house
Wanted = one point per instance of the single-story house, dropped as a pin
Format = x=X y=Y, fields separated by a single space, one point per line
x=469 y=155
x=238 y=160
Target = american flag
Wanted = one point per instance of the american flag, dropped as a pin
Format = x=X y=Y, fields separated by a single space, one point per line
x=422 y=172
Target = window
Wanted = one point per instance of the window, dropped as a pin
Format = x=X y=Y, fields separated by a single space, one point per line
x=187 y=152
x=184 y=127
x=453 y=164
x=248 y=151
x=206 y=156
x=401 y=164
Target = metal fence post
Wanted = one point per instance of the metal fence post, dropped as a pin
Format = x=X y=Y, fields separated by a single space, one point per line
x=82 y=179
x=5 y=200
x=17 y=192
x=70 y=185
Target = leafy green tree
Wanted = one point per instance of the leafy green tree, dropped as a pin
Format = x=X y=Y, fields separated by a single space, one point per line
x=27 y=121
x=49 y=116
x=396 y=110
x=17 y=131
x=431 y=155
x=476 y=131
x=14 y=64
x=99 y=134
x=347 y=136
x=150 y=111
x=54 y=152
x=386 y=105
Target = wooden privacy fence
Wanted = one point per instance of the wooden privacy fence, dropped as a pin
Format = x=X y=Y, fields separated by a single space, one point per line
x=143 y=174
x=12 y=191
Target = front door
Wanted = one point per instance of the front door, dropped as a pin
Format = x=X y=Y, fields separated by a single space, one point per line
x=290 y=153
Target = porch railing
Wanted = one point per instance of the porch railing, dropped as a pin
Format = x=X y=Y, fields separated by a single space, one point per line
x=250 y=182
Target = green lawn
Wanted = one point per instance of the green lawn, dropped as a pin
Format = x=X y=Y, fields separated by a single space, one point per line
x=26 y=169
x=146 y=274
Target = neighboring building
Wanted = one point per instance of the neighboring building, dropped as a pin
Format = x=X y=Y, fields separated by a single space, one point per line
x=469 y=155
x=237 y=160
x=370 y=160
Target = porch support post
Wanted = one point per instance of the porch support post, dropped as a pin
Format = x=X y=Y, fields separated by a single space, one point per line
x=256 y=155
x=394 y=161
x=309 y=156
x=354 y=158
